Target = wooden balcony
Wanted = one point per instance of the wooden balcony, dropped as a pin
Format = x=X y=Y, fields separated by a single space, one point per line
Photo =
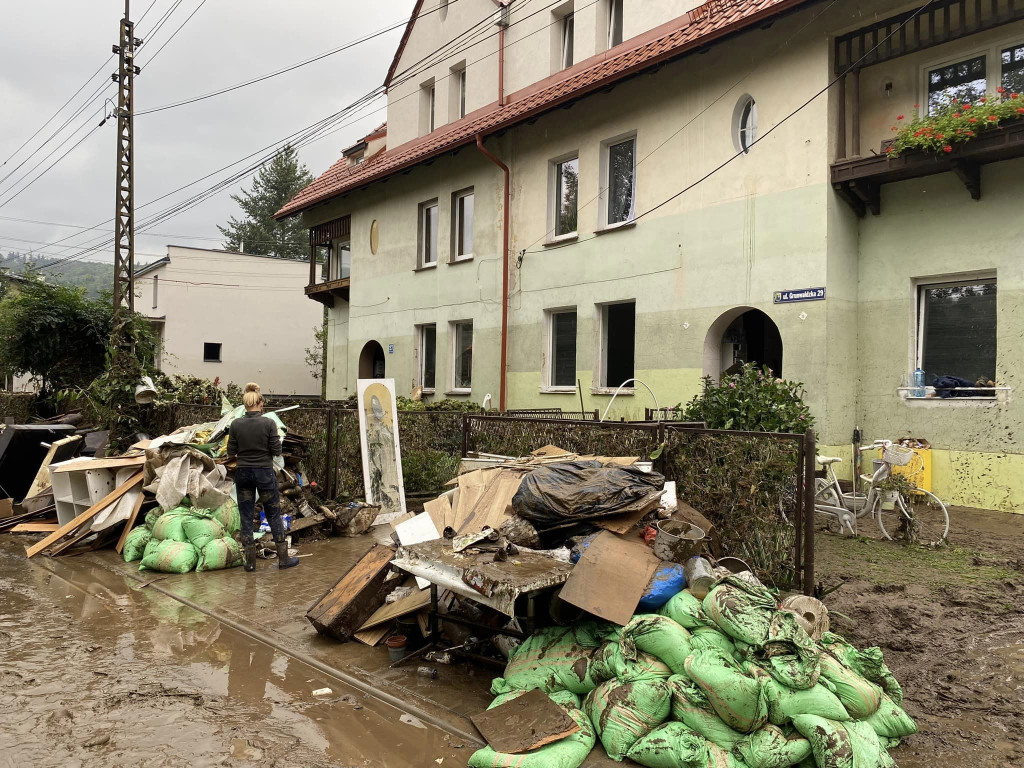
x=858 y=180
x=325 y=293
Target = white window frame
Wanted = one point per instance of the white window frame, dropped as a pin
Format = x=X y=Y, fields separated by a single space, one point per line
x=916 y=356
x=554 y=201
x=462 y=92
x=454 y=347
x=605 y=191
x=336 y=259
x=428 y=103
x=548 y=359
x=457 y=225
x=600 y=386
x=567 y=48
x=993 y=65
x=457 y=92
x=433 y=108
x=613 y=6
x=738 y=129
x=421 y=220
x=421 y=339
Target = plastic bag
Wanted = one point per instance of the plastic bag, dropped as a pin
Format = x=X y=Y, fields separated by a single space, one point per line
x=574 y=491
x=170 y=556
x=219 y=553
x=200 y=530
x=660 y=637
x=770 y=748
x=666 y=582
x=740 y=609
x=738 y=698
x=135 y=544
x=686 y=611
x=623 y=713
x=843 y=745
x=691 y=706
x=170 y=527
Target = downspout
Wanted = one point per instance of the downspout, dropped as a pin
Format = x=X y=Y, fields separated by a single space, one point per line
x=504 y=269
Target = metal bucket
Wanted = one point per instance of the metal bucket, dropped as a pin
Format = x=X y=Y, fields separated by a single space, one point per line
x=677 y=540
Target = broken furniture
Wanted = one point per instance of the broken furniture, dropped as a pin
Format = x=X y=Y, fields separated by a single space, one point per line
x=79 y=484
x=23 y=447
x=340 y=613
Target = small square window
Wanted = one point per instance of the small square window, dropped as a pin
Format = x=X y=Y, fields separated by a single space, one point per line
x=562 y=348
x=211 y=352
x=565 y=196
x=957 y=330
x=462 y=355
x=428 y=234
x=462 y=225
x=428 y=356
x=618 y=339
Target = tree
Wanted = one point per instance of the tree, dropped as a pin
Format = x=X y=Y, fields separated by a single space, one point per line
x=275 y=185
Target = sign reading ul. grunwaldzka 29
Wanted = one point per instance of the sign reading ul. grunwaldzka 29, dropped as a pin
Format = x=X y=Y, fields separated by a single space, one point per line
x=800 y=294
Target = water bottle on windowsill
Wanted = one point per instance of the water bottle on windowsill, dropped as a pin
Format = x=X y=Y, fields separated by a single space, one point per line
x=919 y=388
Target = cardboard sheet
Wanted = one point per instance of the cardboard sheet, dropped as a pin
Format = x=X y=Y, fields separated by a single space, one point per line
x=611 y=577
x=525 y=723
x=421 y=528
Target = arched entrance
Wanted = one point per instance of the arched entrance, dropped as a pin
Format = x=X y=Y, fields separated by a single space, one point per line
x=742 y=335
x=371 y=361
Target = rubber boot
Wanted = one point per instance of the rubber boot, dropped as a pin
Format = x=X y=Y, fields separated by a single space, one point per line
x=283 y=559
x=249 y=556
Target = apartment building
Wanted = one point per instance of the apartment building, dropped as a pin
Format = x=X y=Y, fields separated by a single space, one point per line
x=577 y=195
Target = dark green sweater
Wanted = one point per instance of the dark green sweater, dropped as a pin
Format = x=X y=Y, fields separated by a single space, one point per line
x=254 y=440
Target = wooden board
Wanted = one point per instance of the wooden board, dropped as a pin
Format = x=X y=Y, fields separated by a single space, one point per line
x=89 y=514
x=35 y=528
x=129 y=524
x=491 y=508
x=408 y=604
x=372 y=637
x=471 y=488
x=621 y=524
x=611 y=577
x=355 y=596
x=115 y=463
x=525 y=723
x=439 y=509
x=549 y=450
x=60 y=450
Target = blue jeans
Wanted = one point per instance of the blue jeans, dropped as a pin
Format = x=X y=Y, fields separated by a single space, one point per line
x=249 y=480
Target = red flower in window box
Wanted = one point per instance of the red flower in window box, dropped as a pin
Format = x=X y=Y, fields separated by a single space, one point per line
x=956 y=114
x=992 y=118
x=1000 y=89
x=1020 y=110
x=1014 y=95
x=940 y=135
x=982 y=99
x=947 y=148
x=972 y=120
x=966 y=107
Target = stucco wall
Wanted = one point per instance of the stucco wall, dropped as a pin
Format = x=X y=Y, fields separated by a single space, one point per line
x=253 y=306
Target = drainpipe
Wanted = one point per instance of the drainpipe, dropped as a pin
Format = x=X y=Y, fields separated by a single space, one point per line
x=504 y=269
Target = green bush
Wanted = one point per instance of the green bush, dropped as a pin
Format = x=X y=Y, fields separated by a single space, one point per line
x=751 y=400
x=426 y=471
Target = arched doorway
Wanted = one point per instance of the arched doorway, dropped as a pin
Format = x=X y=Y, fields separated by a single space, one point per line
x=742 y=335
x=371 y=361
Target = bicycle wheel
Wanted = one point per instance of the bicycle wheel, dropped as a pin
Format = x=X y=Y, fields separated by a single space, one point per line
x=929 y=519
x=894 y=523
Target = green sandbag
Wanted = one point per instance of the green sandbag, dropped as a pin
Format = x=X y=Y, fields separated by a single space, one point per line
x=219 y=553
x=705 y=638
x=721 y=758
x=150 y=547
x=691 y=706
x=623 y=713
x=135 y=543
x=843 y=745
x=609 y=662
x=226 y=514
x=200 y=530
x=552 y=659
x=860 y=697
x=738 y=698
x=170 y=527
x=793 y=657
x=686 y=611
x=769 y=748
x=170 y=557
x=740 y=609
x=890 y=721
x=569 y=752
x=868 y=663
x=671 y=745
x=659 y=636
x=152 y=516
x=786 y=703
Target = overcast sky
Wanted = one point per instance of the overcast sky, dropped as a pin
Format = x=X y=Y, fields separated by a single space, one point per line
x=48 y=48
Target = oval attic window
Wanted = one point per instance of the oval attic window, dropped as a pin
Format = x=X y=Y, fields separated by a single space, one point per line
x=374 y=237
x=747 y=124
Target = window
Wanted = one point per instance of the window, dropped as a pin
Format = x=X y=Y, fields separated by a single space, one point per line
x=211 y=352
x=428 y=234
x=462 y=93
x=562 y=348
x=341 y=259
x=620 y=181
x=957 y=330
x=433 y=107
x=156 y=288
x=565 y=195
x=428 y=103
x=614 y=22
x=1012 y=73
x=428 y=356
x=746 y=126
x=462 y=355
x=567 y=28
x=618 y=327
x=457 y=92
x=965 y=81
x=462 y=225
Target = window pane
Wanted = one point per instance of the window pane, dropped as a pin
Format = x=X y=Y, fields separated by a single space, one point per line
x=568 y=26
x=620 y=181
x=344 y=259
x=462 y=93
x=464 y=222
x=566 y=191
x=959 y=331
x=429 y=237
x=614 y=23
x=428 y=354
x=563 y=349
x=620 y=327
x=1013 y=69
x=964 y=81
x=748 y=125
x=463 y=355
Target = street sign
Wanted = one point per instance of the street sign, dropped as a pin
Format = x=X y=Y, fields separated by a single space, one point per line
x=799 y=294
x=391 y=347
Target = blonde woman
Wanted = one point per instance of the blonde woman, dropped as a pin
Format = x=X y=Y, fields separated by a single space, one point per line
x=254 y=441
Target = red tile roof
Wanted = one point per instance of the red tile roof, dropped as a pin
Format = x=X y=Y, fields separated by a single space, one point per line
x=701 y=26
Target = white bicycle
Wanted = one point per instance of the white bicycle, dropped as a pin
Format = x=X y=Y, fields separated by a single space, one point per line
x=901 y=509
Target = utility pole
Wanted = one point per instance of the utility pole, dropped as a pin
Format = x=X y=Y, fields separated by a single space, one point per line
x=124 y=221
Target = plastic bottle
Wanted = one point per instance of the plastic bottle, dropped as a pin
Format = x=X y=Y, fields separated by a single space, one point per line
x=919 y=387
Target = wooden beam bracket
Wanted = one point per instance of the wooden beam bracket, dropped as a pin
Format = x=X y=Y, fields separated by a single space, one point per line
x=969 y=172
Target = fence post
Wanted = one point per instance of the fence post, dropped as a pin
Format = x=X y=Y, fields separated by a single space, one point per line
x=465 y=434
x=810 y=451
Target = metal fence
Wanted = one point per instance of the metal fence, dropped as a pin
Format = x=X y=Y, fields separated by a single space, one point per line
x=518 y=436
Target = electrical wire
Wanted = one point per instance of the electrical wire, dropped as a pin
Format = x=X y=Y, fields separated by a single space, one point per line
x=175 y=32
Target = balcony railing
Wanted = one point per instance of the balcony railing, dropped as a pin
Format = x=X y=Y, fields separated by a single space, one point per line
x=329 y=261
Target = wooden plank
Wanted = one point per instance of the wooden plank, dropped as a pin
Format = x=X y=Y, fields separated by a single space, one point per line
x=60 y=450
x=89 y=514
x=621 y=524
x=550 y=450
x=70 y=541
x=525 y=723
x=372 y=637
x=129 y=524
x=35 y=528
x=356 y=595
x=408 y=604
x=114 y=463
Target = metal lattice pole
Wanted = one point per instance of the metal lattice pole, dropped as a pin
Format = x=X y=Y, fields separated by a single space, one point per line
x=124 y=222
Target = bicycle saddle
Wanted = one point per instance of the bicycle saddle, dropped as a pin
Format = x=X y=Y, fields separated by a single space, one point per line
x=824 y=460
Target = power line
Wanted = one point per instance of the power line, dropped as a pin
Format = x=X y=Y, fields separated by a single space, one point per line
x=49 y=167
x=175 y=32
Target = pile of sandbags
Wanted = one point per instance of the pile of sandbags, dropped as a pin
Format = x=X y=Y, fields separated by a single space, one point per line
x=186 y=538
x=730 y=681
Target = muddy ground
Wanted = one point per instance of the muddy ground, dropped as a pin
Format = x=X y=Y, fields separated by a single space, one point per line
x=951 y=624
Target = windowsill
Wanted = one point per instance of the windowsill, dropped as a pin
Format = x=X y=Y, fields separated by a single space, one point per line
x=458 y=392
x=624 y=392
x=952 y=402
x=213 y=361
x=567 y=238
x=460 y=260
x=616 y=227
x=425 y=267
x=425 y=391
x=558 y=390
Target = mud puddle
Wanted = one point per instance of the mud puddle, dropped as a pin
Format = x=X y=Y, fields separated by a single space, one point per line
x=97 y=672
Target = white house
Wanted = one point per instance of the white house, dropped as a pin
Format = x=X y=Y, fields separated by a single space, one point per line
x=237 y=316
